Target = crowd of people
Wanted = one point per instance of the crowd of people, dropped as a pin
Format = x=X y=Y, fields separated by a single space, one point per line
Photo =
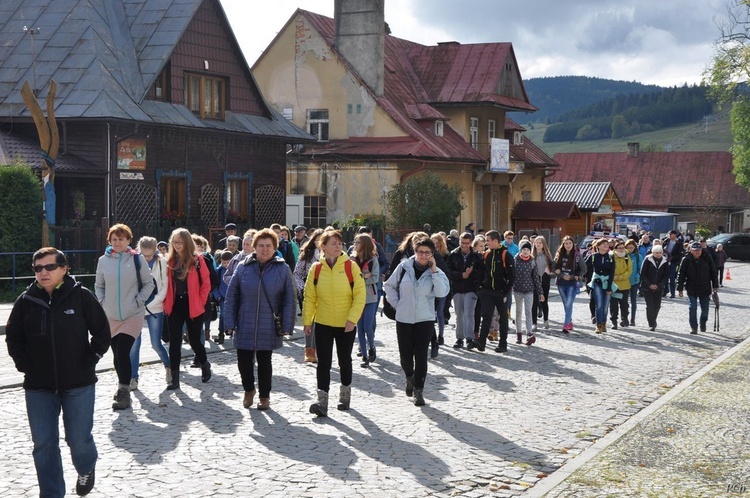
x=259 y=286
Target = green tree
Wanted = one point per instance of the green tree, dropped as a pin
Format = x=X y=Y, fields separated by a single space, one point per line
x=21 y=216
x=620 y=127
x=729 y=68
x=424 y=199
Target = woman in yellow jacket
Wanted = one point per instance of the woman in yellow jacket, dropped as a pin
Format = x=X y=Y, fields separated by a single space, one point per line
x=623 y=270
x=334 y=300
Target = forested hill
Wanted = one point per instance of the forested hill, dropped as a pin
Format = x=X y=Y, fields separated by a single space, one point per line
x=557 y=95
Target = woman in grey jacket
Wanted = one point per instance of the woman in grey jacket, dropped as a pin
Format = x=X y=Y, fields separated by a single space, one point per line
x=124 y=303
x=412 y=289
x=261 y=287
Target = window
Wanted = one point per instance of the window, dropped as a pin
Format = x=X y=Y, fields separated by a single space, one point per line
x=474 y=132
x=160 y=86
x=173 y=197
x=315 y=211
x=439 y=128
x=205 y=96
x=349 y=108
x=359 y=108
x=490 y=130
x=237 y=197
x=317 y=123
x=517 y=138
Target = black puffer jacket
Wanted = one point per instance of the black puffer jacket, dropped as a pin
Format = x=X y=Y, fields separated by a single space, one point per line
x=48 y=336
x=698 y=275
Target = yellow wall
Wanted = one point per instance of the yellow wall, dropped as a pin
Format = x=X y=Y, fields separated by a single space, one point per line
x=460 y=122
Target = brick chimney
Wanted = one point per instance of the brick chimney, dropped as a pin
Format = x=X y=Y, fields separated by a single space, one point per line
x=633 y=149
x=360 y=38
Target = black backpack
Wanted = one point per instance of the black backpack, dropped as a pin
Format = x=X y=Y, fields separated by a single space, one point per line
x=137 y=261
x=215 y=281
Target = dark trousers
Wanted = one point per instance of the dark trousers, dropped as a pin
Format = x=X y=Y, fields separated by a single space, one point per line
x=413 y=344
x=246 y=366
x=325 y=336
x=181 y=316
x=653 y=304
x=622 y=304
x=672 y=278
x=720 y=269
x=121 y=344
x=536 y=304
x=493 y=300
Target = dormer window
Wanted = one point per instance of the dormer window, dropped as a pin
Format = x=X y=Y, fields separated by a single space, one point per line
x=160 y=86
x=205 y=95
x=517 y=138
x=439 y=128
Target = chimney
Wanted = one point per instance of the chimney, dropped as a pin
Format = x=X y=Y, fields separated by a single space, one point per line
x=360 y=38
x=633 y=149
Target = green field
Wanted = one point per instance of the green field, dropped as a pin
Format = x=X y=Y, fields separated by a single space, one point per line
x=696 y=137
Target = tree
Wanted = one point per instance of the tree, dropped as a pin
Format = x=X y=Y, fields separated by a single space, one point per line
x=620 y=127
x=424 y=199
x=729 y=68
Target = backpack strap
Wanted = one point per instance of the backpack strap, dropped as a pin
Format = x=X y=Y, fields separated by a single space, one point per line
x=316 y=275
x=137 y=261
x=347 y=269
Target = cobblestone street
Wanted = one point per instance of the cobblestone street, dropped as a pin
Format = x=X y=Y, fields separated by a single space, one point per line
x=494 y=425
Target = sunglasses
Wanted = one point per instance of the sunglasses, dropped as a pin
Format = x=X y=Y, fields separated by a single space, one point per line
x=49 y=267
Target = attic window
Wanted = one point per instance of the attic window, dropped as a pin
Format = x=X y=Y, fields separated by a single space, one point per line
x=439 y=128
x=317 y=123
x=205 y=96
x=517 y=138
x=160 y=86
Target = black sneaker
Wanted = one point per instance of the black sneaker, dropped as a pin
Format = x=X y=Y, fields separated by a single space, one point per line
x=703 y=326
x=85 y=483
x=501 y=349
x=459 y=344
x=471 y=345
x=480 y=345
x=694 y=331
x=441 y=340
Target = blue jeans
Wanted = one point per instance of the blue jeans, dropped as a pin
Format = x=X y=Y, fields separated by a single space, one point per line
x=43 y=408
x=568 y=295
x=705 y=301
x=633 y=301
x=365 y=329
x=601 y=298
x=439 y=310
x=464 y=304
x=155 y=324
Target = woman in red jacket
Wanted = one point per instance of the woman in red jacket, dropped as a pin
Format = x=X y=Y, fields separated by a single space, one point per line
x=188 y=285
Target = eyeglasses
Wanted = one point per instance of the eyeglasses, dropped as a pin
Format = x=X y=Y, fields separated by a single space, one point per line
x=424 y=253
x=49 y=267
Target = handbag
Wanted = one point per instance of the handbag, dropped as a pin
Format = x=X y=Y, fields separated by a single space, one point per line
x=276 y=317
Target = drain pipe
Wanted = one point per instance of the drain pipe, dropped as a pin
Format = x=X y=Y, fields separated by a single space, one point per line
x=413 y=172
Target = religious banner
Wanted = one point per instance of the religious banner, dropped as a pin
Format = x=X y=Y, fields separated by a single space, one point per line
x=131 y=154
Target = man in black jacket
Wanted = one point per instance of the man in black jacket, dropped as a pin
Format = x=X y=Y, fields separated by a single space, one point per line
x=465 y=268
x=48 y=338
x=698 y=276
x=674 y=251
x=497 y=283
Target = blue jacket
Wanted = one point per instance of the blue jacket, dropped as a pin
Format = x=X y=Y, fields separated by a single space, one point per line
x=414 y=300
x=246 y=309
x=637 y=259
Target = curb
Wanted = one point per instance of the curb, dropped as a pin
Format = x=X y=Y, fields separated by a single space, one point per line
x=561 y=474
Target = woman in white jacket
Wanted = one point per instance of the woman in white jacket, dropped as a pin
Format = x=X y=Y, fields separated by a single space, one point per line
x=411 y=290
x=154 y=311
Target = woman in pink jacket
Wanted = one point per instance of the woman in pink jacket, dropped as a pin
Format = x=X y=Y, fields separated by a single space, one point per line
x=188 y=285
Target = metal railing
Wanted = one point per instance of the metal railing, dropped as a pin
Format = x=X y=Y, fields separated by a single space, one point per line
x=80 y=264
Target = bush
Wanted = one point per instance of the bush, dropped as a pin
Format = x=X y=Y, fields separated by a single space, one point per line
x=424 y=199
x=21 y=216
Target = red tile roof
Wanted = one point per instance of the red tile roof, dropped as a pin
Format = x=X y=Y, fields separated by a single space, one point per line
x=658 y=180
x=411 y=86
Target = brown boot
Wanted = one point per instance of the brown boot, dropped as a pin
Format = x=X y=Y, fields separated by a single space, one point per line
x=310 y=355
x=265 y=404
x=599 y=328
x=247 y=402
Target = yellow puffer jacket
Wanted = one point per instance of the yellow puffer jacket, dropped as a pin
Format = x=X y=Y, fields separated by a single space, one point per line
x=623 y=270
x=332 y=301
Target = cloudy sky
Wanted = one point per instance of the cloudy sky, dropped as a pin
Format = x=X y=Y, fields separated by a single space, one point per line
x=663 y=42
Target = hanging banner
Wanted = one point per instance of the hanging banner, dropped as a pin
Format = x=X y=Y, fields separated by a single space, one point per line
x=499 y=155
x=131 y=154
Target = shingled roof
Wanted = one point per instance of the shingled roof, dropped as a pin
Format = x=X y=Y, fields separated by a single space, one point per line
x=418 y=80
x=104 y=56
x=659 y=180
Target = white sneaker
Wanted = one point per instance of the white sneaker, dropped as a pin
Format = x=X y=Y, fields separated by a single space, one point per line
x=533 y=328
x=133 y=384
x=546 y=325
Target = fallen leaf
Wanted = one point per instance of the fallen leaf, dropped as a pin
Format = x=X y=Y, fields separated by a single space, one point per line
x=541 y=475
x=567 y=408
x=564 y=450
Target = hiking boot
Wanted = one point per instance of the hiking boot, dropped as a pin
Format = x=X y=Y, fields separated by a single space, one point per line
x=85 y=483
x=265 y=404
x=205 y=371
x=122 y=398
x=418 y=398
x=410 y=386
x=459 y=344
x=247 y=401
x=321 y=407
x=310 y=355
x=703 y=326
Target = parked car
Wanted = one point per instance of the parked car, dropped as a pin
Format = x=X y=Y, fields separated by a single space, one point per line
x=736 y=245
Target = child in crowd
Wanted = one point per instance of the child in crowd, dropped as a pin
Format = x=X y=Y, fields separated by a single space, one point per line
x=527 y=283
x=221 y=292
